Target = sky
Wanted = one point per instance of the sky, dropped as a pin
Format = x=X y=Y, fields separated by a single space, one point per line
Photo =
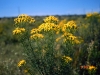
x=11 y=8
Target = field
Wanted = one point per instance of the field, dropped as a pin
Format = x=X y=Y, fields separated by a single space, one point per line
x=50 y=45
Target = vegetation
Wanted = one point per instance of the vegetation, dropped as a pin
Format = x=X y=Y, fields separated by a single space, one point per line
x=50 y=45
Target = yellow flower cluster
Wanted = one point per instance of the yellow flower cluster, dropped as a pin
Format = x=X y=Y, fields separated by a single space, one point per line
x=89 y=14
x=92 y=68
x=67 y=59
x=18 y=31
x=46 y=27
x=69 y=37
x=51 y=19
x=36 y=36
x=62 y=22
x=24 y=18
x=66 y=34
x=73 y=38
x=58 y=39
x=92 y=14
x=63 y=28
x=59 y=27
x=95 y=13
x=35 y=30
x=22 y=62
x=49 y=25
x=71 y=25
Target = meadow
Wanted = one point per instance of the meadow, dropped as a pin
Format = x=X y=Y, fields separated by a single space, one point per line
x=50 y=45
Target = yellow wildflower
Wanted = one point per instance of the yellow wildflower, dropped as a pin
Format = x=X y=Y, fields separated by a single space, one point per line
x=64 y=28
x=64 y=40
x=92 y=68
x=71 y=25
x=71 y=37
x=35 y=30
x=67 y=59
x=62 y=22
x=18 y=31
x=51 y=19
x=61 y=25
x=95 y=13
x=23 y=18
x=36 y=36
x=88 y=14
x=68 y=26
x=55 y=28
x=22 y=62
x=58 y=39
x=66 y=34
x=46 y=27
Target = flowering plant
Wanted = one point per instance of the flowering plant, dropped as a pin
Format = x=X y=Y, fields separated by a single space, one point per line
x=49 y=48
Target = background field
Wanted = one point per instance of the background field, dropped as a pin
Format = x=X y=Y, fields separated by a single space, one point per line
x=11 y=51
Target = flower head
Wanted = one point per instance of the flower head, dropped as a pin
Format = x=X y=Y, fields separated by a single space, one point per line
x=57 y=39
x=92 y=68
x=22 y=62
x=51 y=19
x=67 y=59
x=36 y=36
x=88 y=67
x=18 y=31
x=71 y=25
x=46 y=27
x=23 y=18
x=88 y=14
x=35 y=30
